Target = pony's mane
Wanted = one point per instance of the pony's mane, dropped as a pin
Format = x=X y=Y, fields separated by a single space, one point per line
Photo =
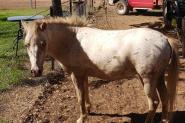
x=72 y=21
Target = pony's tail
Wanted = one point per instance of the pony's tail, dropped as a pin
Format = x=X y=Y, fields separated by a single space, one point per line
x=172 y=76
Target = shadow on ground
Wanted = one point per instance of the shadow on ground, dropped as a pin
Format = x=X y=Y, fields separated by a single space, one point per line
x=178 y=117
x=53 y=77
x=149 y=13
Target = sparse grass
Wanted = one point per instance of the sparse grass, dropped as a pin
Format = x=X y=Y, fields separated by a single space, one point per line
x=12 y=68
x=4 y=121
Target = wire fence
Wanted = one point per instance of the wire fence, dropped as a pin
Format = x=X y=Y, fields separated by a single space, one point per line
x=66 y=12
x=10 y=28
x=66 y=9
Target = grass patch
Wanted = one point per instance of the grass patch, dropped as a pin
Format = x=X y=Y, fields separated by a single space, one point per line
x=12 y=68
x=3 y=121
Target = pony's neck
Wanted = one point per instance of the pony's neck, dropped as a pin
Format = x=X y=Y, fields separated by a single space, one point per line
x=61 y=40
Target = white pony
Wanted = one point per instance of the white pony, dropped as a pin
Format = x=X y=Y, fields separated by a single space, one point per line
x=107 y=54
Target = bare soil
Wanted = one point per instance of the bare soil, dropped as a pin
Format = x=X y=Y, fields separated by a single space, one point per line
x=52 y=98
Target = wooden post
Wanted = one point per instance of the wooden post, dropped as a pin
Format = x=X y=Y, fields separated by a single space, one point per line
x=31 y=3
x=89 y=6
x=35 y=4
x=79 y=8
x=56 y=8
x=71 y=7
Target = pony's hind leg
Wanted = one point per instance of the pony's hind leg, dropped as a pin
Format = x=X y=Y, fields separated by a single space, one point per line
x=161 y=87
x=152 y=97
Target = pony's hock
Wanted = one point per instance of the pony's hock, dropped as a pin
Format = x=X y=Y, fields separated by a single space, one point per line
x=107 y=54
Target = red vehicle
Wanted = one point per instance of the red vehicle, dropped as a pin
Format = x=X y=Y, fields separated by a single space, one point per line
x=124 y=6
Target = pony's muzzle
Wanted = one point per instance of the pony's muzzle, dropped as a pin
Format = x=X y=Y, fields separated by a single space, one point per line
x=36 y=73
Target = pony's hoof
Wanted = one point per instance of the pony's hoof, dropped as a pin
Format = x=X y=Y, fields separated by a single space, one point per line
x=81 y=119
x=164 y=121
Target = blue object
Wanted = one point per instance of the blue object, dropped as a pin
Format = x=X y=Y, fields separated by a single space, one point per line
x=25 y=18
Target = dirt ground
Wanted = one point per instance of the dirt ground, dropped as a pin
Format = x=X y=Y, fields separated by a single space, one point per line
x=52 y=98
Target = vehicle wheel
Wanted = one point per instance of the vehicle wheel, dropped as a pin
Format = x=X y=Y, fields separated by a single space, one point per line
x=122 y=8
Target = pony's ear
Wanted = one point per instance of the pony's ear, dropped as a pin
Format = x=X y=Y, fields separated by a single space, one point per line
x=24 y=24
x=42 y=26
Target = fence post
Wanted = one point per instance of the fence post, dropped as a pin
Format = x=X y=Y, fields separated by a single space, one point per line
x=35 y=4
x=31 y=3
x=79 y=8
x=56 y=8
x=89 y=6
x=70 y=6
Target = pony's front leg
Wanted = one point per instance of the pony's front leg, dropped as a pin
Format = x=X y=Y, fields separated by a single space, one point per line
x=78 y=81
x=87 y=100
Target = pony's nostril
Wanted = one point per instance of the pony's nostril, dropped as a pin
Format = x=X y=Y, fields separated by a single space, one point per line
x=32 y=71
x=36 y=73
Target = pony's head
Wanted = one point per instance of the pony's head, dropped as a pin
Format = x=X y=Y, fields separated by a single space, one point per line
x=35 y=43
x=36 y=38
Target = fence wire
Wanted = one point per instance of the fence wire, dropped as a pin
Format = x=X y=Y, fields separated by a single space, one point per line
x=8 y=28
x=65 y=9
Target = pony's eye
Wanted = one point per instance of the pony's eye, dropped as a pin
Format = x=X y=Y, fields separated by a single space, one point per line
x=27 y=45
x=42 y=44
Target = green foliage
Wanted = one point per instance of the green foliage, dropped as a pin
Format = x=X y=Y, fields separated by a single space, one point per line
x=12 y=69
